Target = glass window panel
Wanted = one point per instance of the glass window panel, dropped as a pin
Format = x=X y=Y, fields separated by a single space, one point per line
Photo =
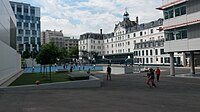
x=183 y=10
x=171 y=14
x=177 y=12
x=178 y=35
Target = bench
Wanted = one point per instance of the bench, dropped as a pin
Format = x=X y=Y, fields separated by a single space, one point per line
x=79 y=76
x=61 y=71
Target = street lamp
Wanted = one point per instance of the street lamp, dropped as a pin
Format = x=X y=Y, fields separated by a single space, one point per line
x=127 y=59
x=32 y=59
x=109 y=60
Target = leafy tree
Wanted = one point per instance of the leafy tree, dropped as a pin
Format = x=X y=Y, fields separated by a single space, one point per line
x=48 y=55
x=26 y=54
x=73 y=52
x=34 y=54
x=63 y=54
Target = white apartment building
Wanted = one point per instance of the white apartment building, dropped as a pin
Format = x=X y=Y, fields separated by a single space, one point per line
x=182 y=30
x=90 y=43
x=143 y=43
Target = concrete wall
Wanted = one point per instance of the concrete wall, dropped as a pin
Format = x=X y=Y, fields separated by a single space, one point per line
x=93 y=82
x=10 y=62
x=115 y=70
x=5 y=15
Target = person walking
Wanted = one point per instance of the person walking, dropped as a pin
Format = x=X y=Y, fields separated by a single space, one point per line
x=157 y=74
x=151 y=78
x=108 y=72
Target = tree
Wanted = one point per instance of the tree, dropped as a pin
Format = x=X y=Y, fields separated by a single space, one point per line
x=48 y=55
x=26 y=54
x=63 y=54
x=34 y=54
x=73 y=52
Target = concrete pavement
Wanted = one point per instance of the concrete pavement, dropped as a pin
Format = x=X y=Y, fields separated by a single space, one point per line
x=125 y=93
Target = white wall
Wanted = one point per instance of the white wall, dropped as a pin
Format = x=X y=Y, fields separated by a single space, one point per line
x=10 y=62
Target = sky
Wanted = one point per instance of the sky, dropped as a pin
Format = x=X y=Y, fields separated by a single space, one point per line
x=76 y=17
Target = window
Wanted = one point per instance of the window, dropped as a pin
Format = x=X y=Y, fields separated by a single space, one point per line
x=27 y=32
x=162 y=51
x=129 y=50
x=142 y=52
x=34 y=32
x=179 y=33
x=134 y=35
x=151 y=60
x=33 y=25
x=26 y=39
x=147 y=60
x=151 y=31
x=128 y=36
x=20 y=31
x=19 y=24
x=32 y=10
x=32 y=40
x=156 y=51
x=128 y=43
x=147 y=52
x=171 y=14
x=19 y=9
x=184 y=34
x=140 y=33
x=161 y=60
x=183 y=10
x=167 y=60
x=151 y=52
x=25 y=9
x=177 y=12
x=166 y=15
x=26 y=25
x=19 y=39
x=27 y=18
x=169 y=35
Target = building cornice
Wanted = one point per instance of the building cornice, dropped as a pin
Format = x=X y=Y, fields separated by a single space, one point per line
x=182 y=24
x=171 y=4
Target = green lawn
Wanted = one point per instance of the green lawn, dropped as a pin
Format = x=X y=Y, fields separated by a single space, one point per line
x=30 y=78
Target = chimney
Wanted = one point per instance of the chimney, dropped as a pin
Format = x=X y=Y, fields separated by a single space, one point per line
x=137 y=21
x=101 y=31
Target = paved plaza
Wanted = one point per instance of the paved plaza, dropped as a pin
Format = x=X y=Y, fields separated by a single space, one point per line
x=125 y=93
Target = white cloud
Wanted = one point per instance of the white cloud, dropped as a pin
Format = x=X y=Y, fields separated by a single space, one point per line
x=92 y=15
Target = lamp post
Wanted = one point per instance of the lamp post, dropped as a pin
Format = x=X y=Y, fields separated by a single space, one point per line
x=109 y=60
x=127 y=60
x=32 y=59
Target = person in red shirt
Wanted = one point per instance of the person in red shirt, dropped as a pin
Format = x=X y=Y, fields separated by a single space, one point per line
x=158 y=74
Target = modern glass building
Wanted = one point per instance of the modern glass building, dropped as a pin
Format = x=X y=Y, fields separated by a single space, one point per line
x=28 y=26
